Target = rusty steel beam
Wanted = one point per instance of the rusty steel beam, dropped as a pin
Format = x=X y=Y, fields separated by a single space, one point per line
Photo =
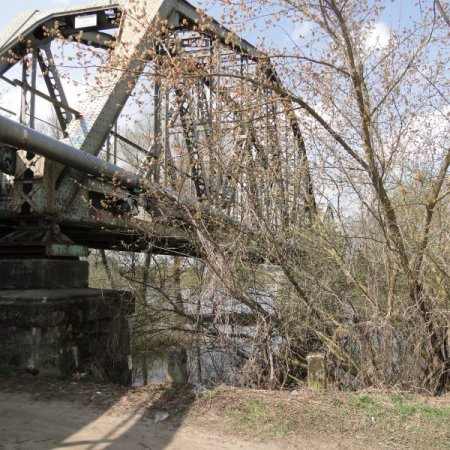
x=23 y=137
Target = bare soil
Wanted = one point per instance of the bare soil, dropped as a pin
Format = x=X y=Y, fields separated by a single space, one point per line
x=43 y=414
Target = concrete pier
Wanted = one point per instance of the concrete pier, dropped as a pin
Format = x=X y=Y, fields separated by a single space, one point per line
x=52 y=330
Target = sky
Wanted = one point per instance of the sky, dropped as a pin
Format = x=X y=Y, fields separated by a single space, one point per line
x=11 y=8
x=397 y=11
x=397 y=14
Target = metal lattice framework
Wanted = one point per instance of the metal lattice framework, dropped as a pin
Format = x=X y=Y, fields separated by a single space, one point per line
x=218 y=138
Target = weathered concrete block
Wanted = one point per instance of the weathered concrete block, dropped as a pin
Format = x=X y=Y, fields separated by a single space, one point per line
x=58 y=331
x=43 y=274
x=317 y=371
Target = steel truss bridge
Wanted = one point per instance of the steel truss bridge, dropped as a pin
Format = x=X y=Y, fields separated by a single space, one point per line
x=218 y=135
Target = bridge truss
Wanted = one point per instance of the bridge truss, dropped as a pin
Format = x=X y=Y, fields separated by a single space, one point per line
x=216 y=134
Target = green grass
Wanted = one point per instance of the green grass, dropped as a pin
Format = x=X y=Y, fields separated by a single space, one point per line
x=402 y=416
x=210 y=393
x=430 y=412
x=256 y=417
x=368 y=405
x=403 y=420
x=400 y=406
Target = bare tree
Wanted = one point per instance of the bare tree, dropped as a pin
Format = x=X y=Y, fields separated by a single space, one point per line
x=327 y=159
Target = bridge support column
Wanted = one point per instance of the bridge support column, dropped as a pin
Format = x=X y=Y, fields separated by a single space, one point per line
x=43 y=273
x=52 y=324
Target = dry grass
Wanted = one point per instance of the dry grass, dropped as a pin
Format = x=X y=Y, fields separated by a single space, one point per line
x=356 y=420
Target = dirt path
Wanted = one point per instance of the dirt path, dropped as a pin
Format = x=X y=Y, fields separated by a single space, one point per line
x=33 y=424
x=39 y=414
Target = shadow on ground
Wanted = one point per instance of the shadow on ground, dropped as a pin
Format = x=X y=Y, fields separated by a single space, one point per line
x=44 y=414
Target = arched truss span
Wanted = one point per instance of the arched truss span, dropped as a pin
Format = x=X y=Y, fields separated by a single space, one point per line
x=217 y=131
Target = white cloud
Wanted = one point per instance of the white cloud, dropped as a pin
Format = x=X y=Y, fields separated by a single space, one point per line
x=301 y=30
x=377 y=36
x=61 y=2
